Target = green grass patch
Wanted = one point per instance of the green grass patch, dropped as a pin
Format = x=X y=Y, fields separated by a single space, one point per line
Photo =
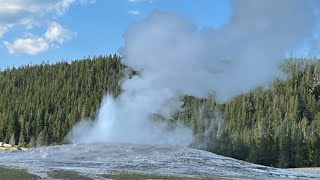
x=135 y=176
x=67 y=175
x=7 y=173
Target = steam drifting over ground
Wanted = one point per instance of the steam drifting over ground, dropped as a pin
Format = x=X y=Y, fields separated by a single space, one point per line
x=175 y=58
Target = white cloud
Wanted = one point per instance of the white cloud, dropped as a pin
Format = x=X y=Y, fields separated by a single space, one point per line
x=134 y=12
x=17 y=11
x=55 y=35
x=27 y=46
x=28 y=13
x=31 y=13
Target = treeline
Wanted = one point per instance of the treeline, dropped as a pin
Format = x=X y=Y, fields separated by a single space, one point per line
x=279 y=126
x=39 y=104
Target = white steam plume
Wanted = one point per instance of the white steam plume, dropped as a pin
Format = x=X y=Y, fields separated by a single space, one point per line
x=175 y=58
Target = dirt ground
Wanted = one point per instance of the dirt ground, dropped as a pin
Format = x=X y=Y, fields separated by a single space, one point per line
x=9 y=147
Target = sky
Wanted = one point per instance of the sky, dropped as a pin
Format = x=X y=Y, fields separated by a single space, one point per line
x=35 y=31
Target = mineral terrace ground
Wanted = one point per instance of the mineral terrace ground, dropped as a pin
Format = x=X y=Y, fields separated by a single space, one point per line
x=129 y=161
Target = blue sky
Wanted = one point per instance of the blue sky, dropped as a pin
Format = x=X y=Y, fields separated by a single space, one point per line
x=32 y=31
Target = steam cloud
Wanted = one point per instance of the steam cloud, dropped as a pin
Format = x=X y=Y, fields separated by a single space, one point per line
x=175 y=58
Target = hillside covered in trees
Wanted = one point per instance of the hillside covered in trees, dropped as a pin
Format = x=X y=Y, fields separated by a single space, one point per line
x=39 y=104
x=277 y=126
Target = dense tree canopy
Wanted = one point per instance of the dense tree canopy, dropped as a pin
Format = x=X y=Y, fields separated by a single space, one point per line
x=39 y=104
x=276 y=126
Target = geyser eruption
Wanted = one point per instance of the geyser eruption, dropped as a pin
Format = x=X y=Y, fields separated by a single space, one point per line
x=175 y=58
x=124 y=120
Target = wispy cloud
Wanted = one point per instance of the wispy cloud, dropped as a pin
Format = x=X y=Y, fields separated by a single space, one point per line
x=3 y=30
x=137 y=12
x=134 y=12
x=57 y=33
x=136 y=1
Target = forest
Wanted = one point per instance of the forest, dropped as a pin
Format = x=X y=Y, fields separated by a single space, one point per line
x=275 y=126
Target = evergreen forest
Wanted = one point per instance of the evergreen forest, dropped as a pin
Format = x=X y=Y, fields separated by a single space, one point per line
x=275 y=126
